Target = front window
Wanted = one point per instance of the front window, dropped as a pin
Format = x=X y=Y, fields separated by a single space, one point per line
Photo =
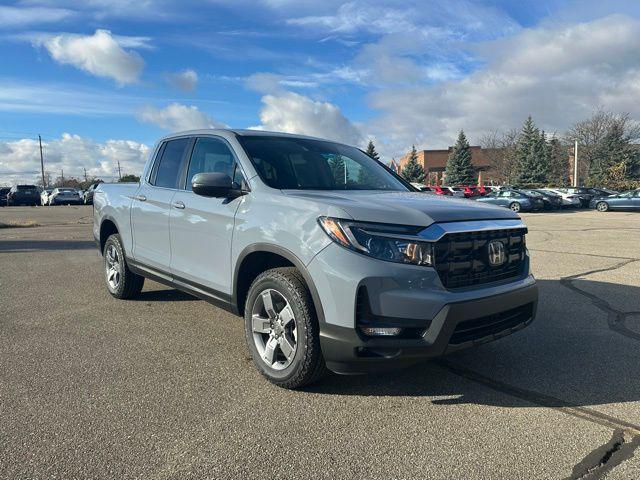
x=305 y=164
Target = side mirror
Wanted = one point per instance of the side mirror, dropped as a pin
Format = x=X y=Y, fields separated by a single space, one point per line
x=212 y=184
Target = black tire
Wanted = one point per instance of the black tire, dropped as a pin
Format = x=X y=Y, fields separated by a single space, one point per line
x=515 y=206
x=307 y=365
x=129 y=284
x=602 y=206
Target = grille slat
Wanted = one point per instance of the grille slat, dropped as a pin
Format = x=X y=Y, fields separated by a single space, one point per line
x=478 y=328
x=461 y=259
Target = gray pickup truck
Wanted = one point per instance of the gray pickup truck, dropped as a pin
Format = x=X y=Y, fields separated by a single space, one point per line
x=333 y=260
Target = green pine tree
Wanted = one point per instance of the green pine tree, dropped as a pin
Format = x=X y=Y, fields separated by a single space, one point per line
x=532 y=162
x=371 y=151
x=413 y=171
x=460 y=169
x=558 y=163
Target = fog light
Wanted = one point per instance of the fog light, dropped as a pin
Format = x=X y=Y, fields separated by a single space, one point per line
x=380 y=331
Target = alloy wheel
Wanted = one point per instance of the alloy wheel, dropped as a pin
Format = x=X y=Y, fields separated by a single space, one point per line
x=274 y=329
x=112 y=267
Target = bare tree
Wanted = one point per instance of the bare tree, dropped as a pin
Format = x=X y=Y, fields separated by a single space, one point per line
x=592 y=133
x=500 y=149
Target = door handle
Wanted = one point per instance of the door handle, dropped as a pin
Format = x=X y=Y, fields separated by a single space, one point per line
x=140 y=198
x=179 y=205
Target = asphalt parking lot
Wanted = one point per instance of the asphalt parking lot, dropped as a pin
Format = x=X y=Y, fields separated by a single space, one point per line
x=163 y=386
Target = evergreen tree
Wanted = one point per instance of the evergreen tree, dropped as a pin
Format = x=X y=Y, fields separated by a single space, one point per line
x=339 y=170
x=532 y=163
x=371 y=151
x=459 y=169
x=413 y=171
x=558 y=163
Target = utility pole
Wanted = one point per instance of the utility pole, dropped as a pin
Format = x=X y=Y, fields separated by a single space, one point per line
x=41 y=161
x=85 y=173
x=62 y=176
x=575 y=164
x=119 y=172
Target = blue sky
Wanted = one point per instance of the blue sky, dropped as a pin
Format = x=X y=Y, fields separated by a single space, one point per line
x=103 y=80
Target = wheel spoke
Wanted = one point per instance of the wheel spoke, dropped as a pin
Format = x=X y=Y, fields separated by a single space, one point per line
x=260 y=324
x=286 y=347
x=269 y=350
x=286 y=315
x=268 y=304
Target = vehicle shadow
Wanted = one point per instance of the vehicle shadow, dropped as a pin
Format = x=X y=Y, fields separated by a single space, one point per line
x=585 y=337
x=164 y=295
x=29 y=245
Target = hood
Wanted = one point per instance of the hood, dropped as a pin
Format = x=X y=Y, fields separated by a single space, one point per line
x=404 y=208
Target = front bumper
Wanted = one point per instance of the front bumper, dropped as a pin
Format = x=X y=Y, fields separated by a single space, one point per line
x=411 y=297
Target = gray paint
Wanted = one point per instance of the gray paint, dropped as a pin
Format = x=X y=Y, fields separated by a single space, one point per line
x=204 y=241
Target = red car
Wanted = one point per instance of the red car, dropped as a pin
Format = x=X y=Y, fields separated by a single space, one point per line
x=469 y=191
x=439 y=190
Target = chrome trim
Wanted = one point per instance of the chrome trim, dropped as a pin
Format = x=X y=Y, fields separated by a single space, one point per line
x=436 y=231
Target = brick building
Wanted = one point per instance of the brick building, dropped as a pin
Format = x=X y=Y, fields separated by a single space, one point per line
x=434 y=163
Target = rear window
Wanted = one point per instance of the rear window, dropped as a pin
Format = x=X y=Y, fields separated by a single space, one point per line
x=168 y=168
x=27 y=187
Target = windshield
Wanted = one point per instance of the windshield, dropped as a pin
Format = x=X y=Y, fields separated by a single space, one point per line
x=300 y=163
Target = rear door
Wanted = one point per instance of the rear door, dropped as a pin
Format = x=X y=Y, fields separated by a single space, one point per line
x=151 y=206
x=202 y=227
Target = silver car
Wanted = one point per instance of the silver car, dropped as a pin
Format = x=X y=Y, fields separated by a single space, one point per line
x=64 y=196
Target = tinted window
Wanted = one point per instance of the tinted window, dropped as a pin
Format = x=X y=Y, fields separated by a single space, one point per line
x=26 y=187
x=169 y=166
x=210 y=155
x=300 y=163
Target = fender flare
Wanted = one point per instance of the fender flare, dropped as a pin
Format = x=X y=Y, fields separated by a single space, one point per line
x=290 y=256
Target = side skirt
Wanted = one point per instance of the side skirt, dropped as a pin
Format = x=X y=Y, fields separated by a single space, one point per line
x=209 y=295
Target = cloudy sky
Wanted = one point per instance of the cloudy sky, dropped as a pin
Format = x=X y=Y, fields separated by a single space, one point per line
x=100 y=80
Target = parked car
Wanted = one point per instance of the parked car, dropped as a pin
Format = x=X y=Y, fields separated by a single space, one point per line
x=629 y=200
x=324 y=269
x=568 y=199
x=3 y=195
x=438 y=190
x=44 y=196
x=64 y=196
x=87 y=198
x=551 y=200
x=515 y=200
x=469 y=191
x=602 y=192
x=583 y=193
x=23 y=195
x=456 y=191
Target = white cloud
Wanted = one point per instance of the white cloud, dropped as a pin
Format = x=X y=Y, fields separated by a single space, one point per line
x=358 y=15
x=294 y=113
x=187 y=80
x=556 y=73
x=177 y=117
x=99 y=54
x=20 y=159
x=22 y=16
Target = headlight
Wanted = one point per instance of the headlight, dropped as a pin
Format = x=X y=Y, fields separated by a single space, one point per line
x=392 y=243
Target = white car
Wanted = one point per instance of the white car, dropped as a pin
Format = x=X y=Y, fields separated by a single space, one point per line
x=64 y=196
x=568 y=199
x=44 y=196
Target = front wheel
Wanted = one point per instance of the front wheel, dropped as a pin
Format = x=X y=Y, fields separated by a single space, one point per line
x=602 y=206
x=515 y=206
x=281 y=329
x=121 y=282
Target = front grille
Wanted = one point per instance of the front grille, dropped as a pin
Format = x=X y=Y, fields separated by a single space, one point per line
x=462 y=259
x=480 y=327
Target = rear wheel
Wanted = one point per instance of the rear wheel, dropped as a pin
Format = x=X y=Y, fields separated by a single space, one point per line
x=282 y=330
x=121 y=282
x=515 y=206
x=602 y=206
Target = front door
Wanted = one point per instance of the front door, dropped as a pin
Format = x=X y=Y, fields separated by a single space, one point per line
x=202 y=227
x=151 y=207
